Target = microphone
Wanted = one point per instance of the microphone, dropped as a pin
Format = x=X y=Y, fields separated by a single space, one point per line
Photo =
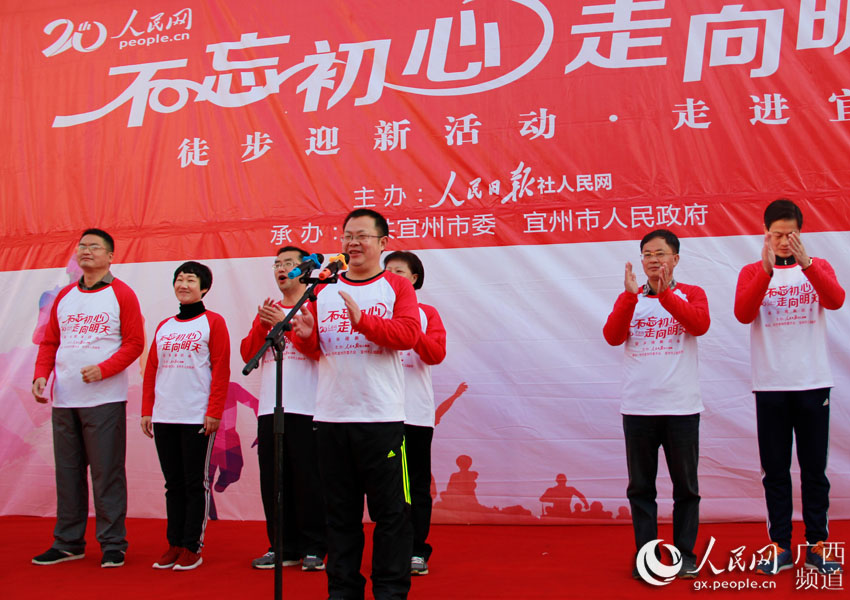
x=335 y=264
x=312 y=261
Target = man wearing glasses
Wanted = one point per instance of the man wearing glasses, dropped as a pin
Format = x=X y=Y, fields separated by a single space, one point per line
x=303 y=508
x=359 y=326
x=659 y=323
x=94 y=333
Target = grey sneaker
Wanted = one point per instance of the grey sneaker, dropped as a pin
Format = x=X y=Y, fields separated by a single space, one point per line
x=418 y=566
x=312 y=563
x=266 y=561
x=54 y=555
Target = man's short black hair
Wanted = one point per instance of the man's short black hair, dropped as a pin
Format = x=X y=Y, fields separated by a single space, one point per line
x=782 y=209
x=413 y=263
x=666 y=235
x=301 y=252
x=195 y=268
x=107 y=239
x=380 y=221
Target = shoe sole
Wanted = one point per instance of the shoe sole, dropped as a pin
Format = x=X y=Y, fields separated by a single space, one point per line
x=822 y=572
x=111 y=564
x=425 y=572
x=188 y=567
x=782 y=568
x=322 y=568
x=57 y=561
x=157 y=565
x=286 y=563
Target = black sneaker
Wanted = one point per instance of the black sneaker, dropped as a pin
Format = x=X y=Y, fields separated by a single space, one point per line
x=112 y=558
x=688 y=570
x=54 y=555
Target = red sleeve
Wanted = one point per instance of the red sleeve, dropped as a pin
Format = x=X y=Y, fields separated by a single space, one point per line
x=132 y=331
x=616 y=329
x=691 y=312
x=50 y=344
x=431 y=346
x=308 y=347
x=149 y=377
x=822 y=277
x=254 y=340
x=752 y=286
x=219 y=363
x=402 y=331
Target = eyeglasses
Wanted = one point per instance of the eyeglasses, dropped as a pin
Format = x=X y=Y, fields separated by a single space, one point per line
x=659 y=255
x=91 y=247
x=287 y=265
x=360 y=238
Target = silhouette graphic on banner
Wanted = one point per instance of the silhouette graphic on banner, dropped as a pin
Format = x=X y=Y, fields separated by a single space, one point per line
x=227 y=451
x=45 y=301
x=441 y=410
x=559 y=496
x=459 y=503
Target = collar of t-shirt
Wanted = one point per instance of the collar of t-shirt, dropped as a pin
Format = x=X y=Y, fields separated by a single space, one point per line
x=107 y=279
x=648 y=291
x=190 y=311
x=347 y=278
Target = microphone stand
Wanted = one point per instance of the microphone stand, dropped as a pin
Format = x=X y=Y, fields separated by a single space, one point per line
x=276 y=340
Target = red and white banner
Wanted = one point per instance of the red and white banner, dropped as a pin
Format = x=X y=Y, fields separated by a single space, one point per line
x=522 y=146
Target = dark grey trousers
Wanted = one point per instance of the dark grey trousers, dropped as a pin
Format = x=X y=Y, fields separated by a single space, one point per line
x=679 y=436
x=94 y=437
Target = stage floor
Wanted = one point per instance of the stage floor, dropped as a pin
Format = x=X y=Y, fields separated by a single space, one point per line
x=469 y=562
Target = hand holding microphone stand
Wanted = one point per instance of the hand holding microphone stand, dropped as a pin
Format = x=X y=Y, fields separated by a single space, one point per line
x=276 y=340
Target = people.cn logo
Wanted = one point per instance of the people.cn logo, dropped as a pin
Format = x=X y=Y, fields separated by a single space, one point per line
x=652 y=570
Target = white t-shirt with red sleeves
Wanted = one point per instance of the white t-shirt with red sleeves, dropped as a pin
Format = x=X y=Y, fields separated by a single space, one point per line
x=300 y=373
x=87 y=327
x=661 y=366
x=188 y=370
x=360 y=374
x=418 y=387
x=788 y=337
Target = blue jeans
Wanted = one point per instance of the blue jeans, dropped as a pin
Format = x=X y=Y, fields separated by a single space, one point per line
x=679 y=436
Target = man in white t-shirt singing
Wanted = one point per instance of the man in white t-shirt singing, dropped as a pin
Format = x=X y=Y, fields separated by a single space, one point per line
x=659 y=323
x=784 y=296
x=94 y=333
x=359 y=326
x=303 y=507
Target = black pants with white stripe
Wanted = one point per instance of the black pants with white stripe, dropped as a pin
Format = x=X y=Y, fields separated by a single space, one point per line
x=184 y=455
x=418 y=441
x=780 y=417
